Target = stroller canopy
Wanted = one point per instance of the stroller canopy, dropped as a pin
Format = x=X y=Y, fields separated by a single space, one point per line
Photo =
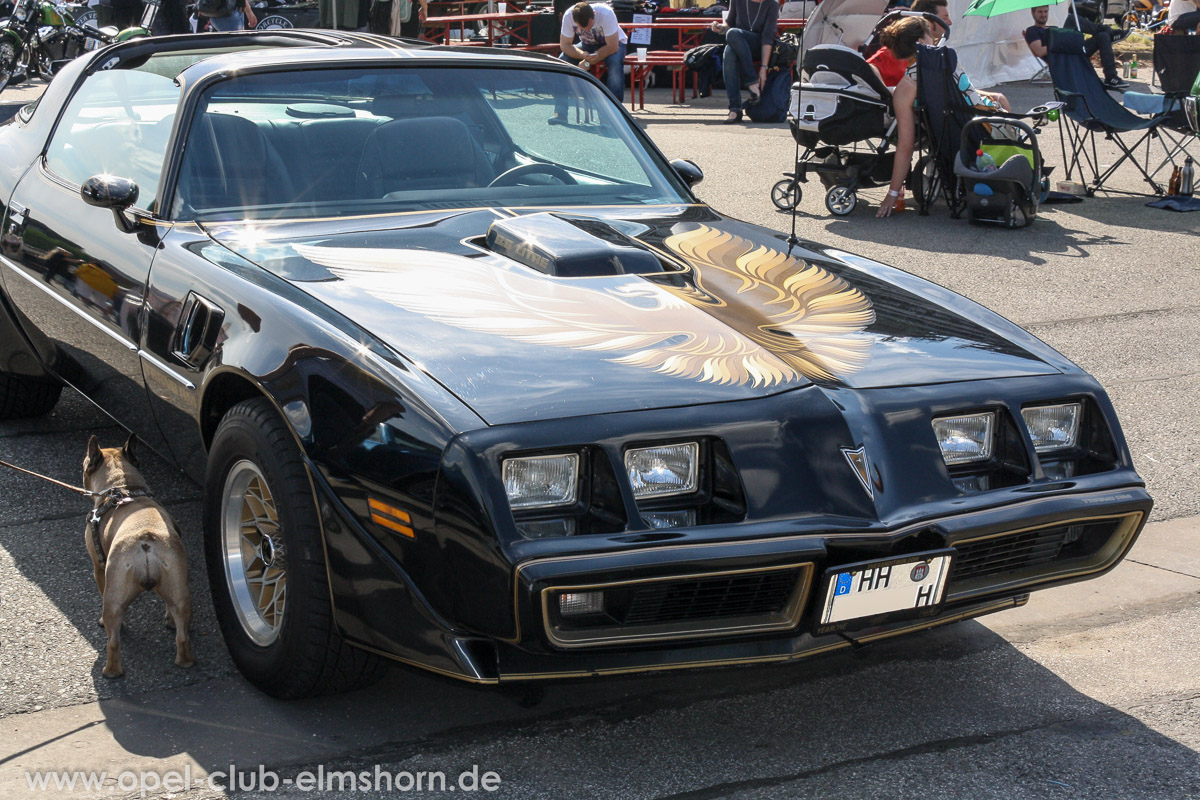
x=838 y=67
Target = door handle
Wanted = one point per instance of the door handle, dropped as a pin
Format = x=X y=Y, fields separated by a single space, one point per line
x=197 y=331
x=16 y=219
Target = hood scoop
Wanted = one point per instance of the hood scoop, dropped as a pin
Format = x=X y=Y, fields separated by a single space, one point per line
x=570 y=247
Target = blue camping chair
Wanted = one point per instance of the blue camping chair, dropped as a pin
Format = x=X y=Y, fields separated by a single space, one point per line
x=1091 y=110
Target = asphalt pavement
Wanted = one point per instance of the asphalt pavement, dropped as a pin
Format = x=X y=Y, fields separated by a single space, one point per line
x=1090 y=691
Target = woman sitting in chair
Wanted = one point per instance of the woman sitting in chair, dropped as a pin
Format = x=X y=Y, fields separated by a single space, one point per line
x=750 y=29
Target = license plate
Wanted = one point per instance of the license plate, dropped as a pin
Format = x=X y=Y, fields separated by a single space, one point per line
x=891 y=588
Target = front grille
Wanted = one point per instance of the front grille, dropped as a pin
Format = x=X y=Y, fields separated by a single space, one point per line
x=711 y=598
x=682 y=607
x=1039 y=552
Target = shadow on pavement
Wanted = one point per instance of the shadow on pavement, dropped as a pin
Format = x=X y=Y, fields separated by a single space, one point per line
x=868 y=724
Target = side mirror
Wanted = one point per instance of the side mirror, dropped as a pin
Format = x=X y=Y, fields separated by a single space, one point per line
x=689 y=172
x=113 y=193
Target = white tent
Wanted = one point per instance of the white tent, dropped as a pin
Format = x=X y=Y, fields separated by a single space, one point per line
x=847 y=22
x=993 y=50
x=990 y=50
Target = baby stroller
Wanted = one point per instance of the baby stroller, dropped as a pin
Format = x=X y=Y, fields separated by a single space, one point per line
x=841 y=114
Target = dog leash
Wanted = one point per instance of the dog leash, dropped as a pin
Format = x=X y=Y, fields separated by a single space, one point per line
x=112 y=498
x=77 y=489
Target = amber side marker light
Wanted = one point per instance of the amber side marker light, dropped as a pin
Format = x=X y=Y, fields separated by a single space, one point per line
x=391 y=517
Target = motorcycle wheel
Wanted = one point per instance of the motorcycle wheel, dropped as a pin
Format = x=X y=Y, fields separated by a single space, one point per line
x=8 y=58
x=42 y=65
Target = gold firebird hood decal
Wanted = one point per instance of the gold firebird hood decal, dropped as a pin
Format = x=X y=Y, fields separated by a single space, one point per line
x=790 y=318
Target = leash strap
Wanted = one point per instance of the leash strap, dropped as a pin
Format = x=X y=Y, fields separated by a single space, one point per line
x=83 y=492
x=112 y=498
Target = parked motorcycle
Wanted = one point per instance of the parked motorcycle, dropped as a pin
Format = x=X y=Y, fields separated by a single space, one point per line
x=39 y=34
x=1146 y=15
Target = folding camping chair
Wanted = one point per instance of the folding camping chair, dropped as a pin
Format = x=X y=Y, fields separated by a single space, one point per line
x=951 y=130
x=1176 y=62
x=1176 y=65
x=1090 y=110
x=1043 y=73
x=940 y=120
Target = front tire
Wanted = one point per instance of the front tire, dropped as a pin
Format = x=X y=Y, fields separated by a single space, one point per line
x=266 y=562
x=21 y=396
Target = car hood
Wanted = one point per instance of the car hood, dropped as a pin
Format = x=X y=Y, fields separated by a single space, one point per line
x=544 y=315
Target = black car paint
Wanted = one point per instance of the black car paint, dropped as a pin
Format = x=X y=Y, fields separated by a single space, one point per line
x=460 y=597
x=917 y=342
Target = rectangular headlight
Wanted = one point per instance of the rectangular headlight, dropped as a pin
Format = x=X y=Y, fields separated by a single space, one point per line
x=1053 y=427
x=664 y=470
x=965 y=438
x=541 y=481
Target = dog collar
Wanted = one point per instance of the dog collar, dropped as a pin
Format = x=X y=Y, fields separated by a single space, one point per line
x=110 y=499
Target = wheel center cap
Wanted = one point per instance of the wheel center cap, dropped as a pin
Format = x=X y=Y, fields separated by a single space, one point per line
x=266 y=550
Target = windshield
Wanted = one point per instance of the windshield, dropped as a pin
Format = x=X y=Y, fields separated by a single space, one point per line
x=337 y=142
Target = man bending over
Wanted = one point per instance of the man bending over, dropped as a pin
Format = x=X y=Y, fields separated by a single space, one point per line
x=600 y=40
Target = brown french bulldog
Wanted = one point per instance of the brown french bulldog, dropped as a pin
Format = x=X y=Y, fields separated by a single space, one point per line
x=135 y=547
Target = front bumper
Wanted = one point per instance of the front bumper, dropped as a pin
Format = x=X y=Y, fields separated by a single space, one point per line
x=1000 y=554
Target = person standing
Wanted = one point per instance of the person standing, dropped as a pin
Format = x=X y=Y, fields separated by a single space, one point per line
x=240 y=19
x=601 y=41
x=120 y=14
x=386 y=17
x=750 y=29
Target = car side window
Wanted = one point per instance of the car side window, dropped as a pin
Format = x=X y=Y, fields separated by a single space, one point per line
x=117 y=123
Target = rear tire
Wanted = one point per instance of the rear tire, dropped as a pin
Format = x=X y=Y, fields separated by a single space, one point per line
x=21 y=396
x=262 y=541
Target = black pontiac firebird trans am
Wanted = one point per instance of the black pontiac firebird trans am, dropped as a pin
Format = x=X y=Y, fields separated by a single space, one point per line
x=504 y=400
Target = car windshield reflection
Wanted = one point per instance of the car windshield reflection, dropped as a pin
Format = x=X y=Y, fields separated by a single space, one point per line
x=341 y=142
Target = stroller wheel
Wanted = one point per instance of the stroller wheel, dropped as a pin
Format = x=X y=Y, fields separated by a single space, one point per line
x=786 y=194
x=841 y=200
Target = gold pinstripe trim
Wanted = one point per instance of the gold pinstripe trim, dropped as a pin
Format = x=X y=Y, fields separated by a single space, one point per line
x=792 y=614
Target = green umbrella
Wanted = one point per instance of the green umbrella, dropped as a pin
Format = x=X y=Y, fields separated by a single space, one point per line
x=991 y=8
